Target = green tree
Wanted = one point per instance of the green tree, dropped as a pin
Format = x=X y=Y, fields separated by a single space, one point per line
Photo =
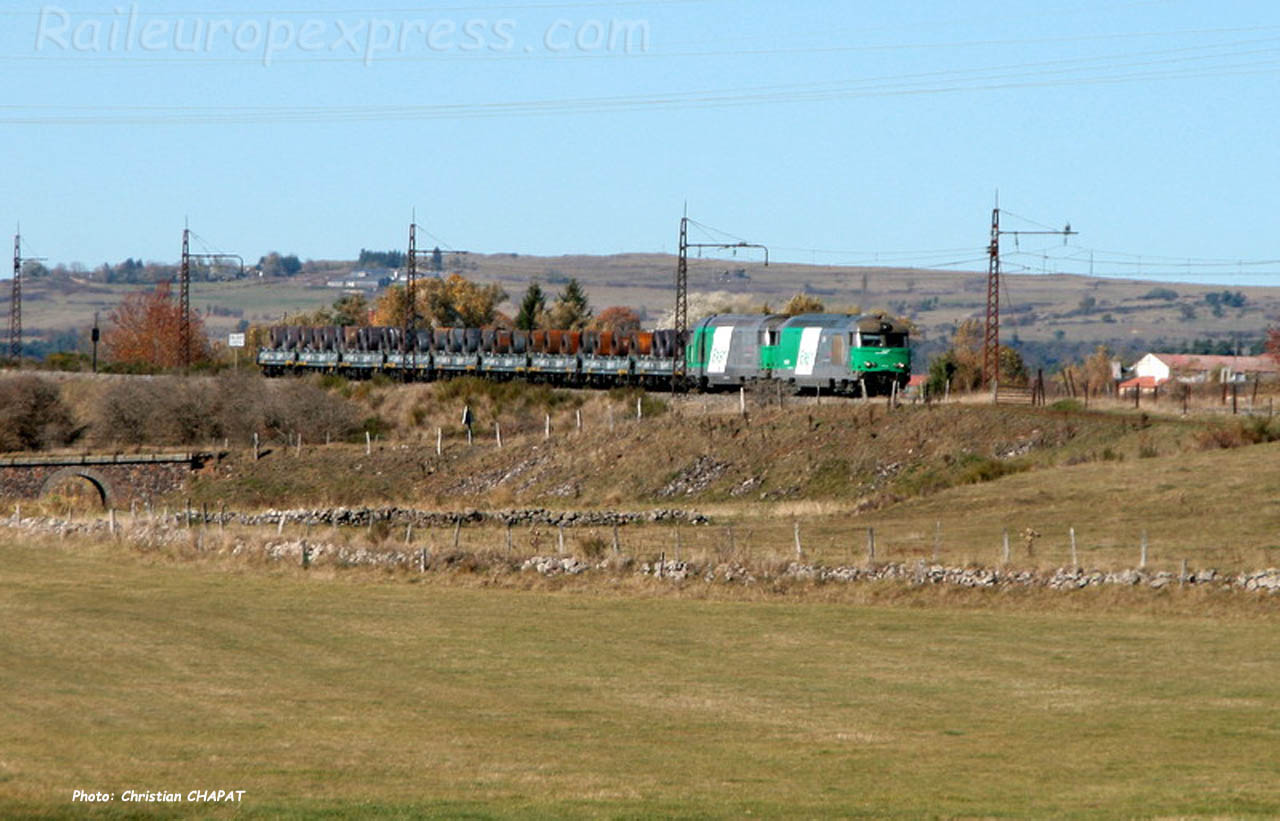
x=352 y=309
x=571 y=311
x=532 y=307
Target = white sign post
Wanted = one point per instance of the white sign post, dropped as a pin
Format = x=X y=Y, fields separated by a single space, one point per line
x=235 y=342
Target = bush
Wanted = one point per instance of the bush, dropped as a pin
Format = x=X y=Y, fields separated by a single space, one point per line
x=234 y=405
x=33 y=415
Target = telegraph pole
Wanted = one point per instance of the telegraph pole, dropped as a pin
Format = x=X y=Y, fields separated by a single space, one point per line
x=184 y=292
x=991 y=334
x=15 y=303
x=679 y=364
x=184 y=301
x=410 y=289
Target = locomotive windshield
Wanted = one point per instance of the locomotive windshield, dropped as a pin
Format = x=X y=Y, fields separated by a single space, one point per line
x=871 y=340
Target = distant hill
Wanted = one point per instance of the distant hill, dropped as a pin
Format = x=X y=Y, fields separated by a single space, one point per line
x=1051 y=318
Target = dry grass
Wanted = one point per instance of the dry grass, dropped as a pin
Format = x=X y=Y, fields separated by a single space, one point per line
x=336 y=693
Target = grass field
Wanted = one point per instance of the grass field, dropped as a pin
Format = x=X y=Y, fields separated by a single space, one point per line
x=347 y=695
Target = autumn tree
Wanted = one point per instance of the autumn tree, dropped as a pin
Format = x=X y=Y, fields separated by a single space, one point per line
x=455 y=302
x=1272 y=347
x=803 y=304
x=618 y=319
x=146 y=329
x=532 y=308
x=1095 y=373
x=571 y=311
x=961 y=364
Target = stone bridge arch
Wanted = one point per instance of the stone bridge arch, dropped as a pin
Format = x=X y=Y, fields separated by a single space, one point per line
x=118 y=478
x=105 y=494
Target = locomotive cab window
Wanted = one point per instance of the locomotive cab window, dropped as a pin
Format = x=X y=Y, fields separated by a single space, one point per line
x=895 y=341
x=871 y=340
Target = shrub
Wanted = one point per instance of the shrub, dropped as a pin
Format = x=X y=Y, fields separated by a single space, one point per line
x=236 y=405
x=593 y=546
x=33 y=415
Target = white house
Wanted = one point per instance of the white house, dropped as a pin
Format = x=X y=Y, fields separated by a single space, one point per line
x=1157 y=368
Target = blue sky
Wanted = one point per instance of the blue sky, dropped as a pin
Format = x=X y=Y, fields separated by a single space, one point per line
x=848 y=133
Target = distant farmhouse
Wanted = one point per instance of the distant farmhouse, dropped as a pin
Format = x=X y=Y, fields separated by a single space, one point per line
x=1155 y=369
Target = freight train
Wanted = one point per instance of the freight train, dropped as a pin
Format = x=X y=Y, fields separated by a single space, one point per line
x=864 y=355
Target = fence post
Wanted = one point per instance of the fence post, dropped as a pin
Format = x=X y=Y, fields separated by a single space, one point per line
x=799 y=551
x=1005 y=540
x=255 y=446
x=742 y=401
x=1142 y=559
x=937 y=539
x=616 y=548
x=639 y=409
x=577 y=415
x=546 y=430
x=560 y=537
x=457 y=532
x=871 y=545
x=508 y=537
x=439 y=441
x=368 y=444
x=1075 y=562
x=1182 y=574
x=497 y=431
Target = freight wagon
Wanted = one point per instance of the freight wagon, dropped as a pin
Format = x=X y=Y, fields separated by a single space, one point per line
x=836 y=353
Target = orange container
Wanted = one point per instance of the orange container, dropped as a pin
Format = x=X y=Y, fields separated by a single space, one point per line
x=642 y=343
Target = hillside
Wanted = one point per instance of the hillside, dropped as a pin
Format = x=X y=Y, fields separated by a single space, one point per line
x=1051 y=317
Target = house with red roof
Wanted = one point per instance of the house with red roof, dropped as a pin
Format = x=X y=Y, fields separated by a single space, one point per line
x=1155 y=369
